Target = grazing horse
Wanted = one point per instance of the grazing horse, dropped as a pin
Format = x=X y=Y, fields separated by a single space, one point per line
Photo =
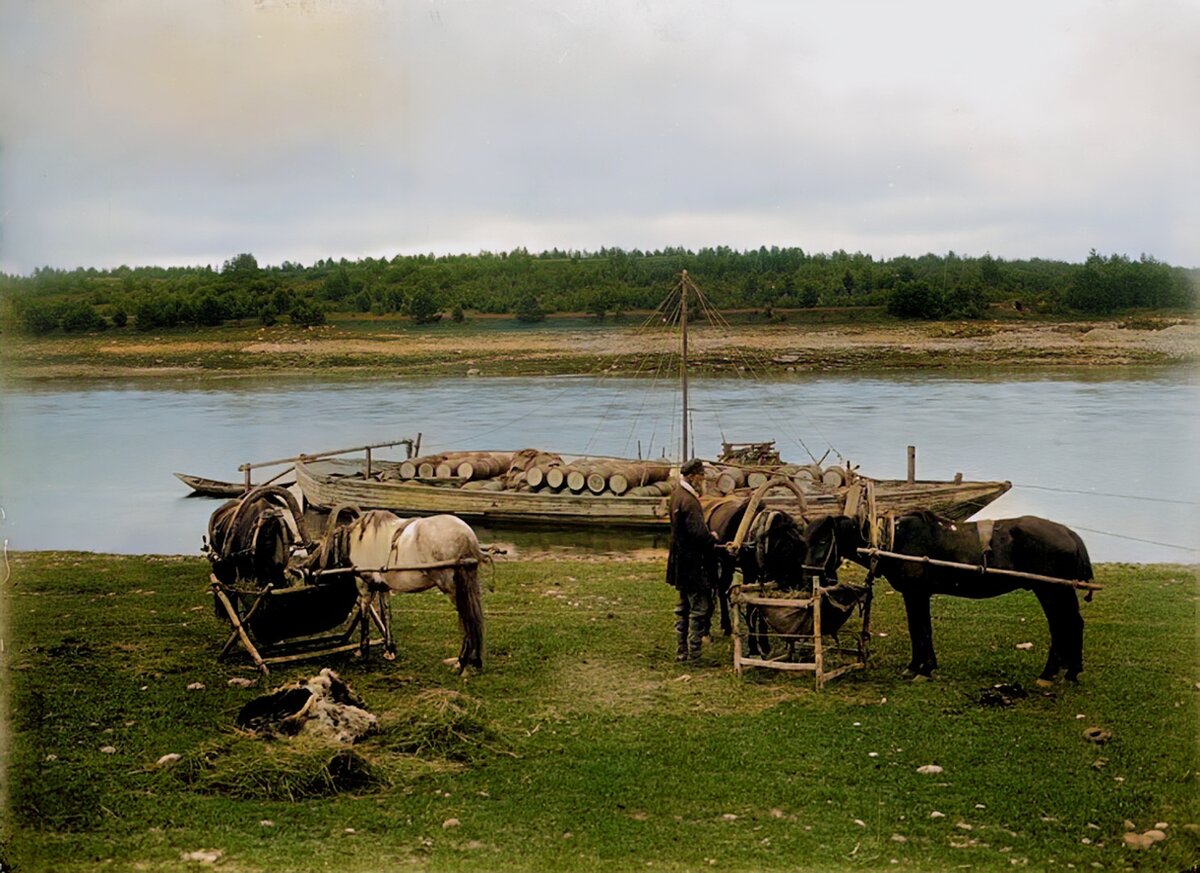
x=1027 y=544
x=774 y=550
x=407 y=555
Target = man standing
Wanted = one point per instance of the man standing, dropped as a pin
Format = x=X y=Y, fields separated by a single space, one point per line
x=690 y=561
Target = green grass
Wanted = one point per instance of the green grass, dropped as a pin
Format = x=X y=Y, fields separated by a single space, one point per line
x=583 y=746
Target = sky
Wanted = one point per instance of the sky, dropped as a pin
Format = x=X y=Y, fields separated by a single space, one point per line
x=188 y=132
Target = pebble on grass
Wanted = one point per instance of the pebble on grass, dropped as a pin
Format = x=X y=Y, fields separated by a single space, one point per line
x=167 y=760
x=929 y=769
x=202 y=856
x=196 y=686
x=450 y=823
x=108 y=750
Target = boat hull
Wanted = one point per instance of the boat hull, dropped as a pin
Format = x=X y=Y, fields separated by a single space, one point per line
x=330 y=483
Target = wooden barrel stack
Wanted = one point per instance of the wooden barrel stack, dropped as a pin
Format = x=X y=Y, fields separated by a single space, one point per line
x=537 y=470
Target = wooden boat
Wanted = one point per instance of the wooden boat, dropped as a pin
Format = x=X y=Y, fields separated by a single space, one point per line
x=501 y=487
x=328 y=482
x=215 y=487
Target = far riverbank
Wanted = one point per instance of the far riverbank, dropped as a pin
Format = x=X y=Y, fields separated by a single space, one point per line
x=568 y=345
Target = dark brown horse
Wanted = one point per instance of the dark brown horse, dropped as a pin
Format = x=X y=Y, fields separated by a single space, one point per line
x=251 y=544
x=1027 y=544
x=774 y=549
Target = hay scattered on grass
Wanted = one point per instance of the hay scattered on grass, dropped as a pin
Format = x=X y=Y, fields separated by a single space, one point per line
x=248 y=768
x=442 y=723
x=441 y=729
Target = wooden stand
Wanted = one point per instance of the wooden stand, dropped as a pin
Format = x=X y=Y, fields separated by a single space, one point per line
x=740 y=600
x=374 y=613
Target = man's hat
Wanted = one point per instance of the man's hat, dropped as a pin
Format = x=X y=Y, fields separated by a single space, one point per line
x=695 y=465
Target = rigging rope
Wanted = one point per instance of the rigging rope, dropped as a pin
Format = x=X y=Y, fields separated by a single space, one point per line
x=1109 y=494
x=1109 y=533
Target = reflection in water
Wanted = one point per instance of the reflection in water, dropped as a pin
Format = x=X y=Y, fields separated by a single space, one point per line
x=87 y=467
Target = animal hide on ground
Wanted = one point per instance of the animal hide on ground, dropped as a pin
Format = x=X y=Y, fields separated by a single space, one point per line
x=323 y=706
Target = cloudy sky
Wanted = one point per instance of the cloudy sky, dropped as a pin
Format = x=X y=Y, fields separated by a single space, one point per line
x=187 y=132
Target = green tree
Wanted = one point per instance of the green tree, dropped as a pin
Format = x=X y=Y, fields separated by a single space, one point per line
x=422 y=307
x=39 y=318
x=77 y=316
x=916 y=299
x=529 y=308
x=306 y=312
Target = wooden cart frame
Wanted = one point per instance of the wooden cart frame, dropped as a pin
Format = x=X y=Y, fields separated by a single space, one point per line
x=859 y=647
x=740 y=599
x=371 y=611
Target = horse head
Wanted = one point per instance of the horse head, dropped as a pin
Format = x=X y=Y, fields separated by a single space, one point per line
x=253 y=537
x=832 y=538
x=780 y=550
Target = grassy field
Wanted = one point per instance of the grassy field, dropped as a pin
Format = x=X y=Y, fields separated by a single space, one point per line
x=583 y=746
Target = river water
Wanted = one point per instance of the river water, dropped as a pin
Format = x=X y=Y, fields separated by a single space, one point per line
x=88 y=466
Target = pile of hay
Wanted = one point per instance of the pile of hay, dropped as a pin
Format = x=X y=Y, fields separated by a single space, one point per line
x=439 y=729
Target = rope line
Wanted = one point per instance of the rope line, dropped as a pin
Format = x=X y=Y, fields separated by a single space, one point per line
x=1110 y=494
x=1109 y=533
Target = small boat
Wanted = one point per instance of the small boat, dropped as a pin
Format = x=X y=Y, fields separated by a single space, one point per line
x=203 y=487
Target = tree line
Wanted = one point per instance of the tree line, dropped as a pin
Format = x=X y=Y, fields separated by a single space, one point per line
x=608 y=281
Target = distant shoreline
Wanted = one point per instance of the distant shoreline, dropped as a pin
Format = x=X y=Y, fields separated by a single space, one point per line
x=574 y=346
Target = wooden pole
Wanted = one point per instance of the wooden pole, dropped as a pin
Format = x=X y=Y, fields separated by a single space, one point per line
x=912 y=464
x=237 y=624
x=683 y=360
x=995 y=571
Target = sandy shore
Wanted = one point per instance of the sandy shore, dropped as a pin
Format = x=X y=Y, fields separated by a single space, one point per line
x=456 y=350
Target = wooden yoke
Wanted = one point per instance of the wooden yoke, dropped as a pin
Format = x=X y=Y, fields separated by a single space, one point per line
x=752 y=508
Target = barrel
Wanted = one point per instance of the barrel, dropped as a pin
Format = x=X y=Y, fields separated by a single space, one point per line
x=834 y=477
x=632 y=475
x=535 y=476
x=577 y=477
x=597 y=478
x=481 y=467
x=730 y=479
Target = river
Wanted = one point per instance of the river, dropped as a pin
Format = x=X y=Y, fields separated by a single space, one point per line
x=1114 y=455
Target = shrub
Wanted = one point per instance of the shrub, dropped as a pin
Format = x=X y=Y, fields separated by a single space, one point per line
x=76 y=317
x=306 y=312
x=916 y=299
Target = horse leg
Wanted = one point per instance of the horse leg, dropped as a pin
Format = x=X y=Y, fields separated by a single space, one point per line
x=723 y=600
x=364 y=622
x=920 y=632
x=385 y=620
x=1061 y=606
x=468 y=602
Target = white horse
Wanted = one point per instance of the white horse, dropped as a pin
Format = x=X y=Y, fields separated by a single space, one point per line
x=407 y=555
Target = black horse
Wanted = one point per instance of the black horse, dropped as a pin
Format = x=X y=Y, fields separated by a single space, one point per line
x=252 y=543
x=774 y=550
x=1027 y=544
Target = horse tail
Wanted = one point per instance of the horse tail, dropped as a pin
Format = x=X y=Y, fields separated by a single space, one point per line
x=1085 y=562
x=468 y=600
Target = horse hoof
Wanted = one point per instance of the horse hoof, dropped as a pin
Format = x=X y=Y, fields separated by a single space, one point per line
x=1044 y=683
x=389 y=656
x=452 y=663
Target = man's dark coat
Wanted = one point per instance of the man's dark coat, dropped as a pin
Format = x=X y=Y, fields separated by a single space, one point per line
x=689 y=562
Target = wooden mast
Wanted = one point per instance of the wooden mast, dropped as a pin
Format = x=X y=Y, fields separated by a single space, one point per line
x=683 y=359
